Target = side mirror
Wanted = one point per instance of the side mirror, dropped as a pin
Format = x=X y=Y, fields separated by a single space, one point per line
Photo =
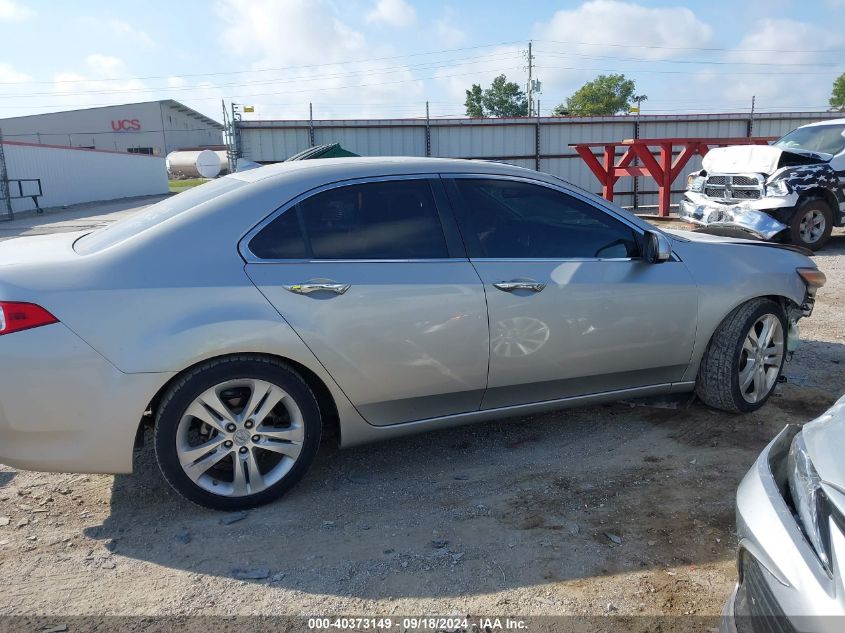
x=656 y=248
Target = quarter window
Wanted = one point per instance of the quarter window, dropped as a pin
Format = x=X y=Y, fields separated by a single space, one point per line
x=395 y=219
x=510 y=219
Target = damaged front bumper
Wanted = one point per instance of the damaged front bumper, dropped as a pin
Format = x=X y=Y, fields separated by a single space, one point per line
x=703 y=211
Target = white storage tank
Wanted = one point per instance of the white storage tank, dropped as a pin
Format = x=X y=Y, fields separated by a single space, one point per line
x=223 y=155
x=194 y=164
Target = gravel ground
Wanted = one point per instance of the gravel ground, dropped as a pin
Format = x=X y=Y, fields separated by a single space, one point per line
x=625 y=509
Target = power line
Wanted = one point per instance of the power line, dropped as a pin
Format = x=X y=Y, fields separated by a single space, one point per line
x=302 y=78
x=681 y=72
x=277 y=69
x=687 y=61
x=306 y=90
x=698 y=48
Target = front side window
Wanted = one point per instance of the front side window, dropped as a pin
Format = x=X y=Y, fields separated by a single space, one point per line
x=395 y=219
x=510 y=219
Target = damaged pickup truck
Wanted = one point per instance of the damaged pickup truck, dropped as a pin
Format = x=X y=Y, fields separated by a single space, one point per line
x=791 y=191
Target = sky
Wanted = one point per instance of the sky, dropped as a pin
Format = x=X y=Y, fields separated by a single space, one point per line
x=386 y=58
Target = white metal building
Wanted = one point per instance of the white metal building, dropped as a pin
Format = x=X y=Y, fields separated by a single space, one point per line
x=152 y=127
x=68 y=175
x=541 y=143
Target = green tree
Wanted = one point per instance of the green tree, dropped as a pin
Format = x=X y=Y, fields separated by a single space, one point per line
x=837 y=96
x=474 y=103
x=503 y=98
x=604 y=95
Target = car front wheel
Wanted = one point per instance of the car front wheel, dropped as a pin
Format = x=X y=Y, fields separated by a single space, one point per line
x=237 y=432
x=812 y=224
x=744 y=359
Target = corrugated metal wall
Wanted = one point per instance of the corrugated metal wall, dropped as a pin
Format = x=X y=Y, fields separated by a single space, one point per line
x=71 y=175
x=523 y=142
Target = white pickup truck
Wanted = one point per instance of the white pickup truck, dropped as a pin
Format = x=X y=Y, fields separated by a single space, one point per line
x=790 y=191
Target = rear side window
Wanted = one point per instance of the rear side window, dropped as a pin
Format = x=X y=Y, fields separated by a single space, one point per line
x=395 y=219
x=153 y=215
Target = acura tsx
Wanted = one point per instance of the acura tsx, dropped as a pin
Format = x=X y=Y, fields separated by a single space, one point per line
x=380 y=296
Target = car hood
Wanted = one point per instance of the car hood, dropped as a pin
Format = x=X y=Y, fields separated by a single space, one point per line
x=756 y=159
x=709 y=238
x=825 y=441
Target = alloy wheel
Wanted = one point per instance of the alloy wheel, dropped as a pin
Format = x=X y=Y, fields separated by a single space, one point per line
x=812 y=226
x=240 y=437
x=761 y=358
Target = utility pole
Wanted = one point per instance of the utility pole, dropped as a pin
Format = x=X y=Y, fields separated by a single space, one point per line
x=311 y=123
x=5 y=194
x=530 y=86
x=751 y=118
x=427 y=131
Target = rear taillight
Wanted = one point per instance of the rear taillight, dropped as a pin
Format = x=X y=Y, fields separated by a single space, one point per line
x=16 y=316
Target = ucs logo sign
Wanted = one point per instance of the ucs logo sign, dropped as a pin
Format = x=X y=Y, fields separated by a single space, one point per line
x=126 y=125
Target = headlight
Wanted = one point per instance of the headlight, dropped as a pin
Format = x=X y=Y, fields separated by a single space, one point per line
x=808 y=498
x=695 y=182
x=777 y=189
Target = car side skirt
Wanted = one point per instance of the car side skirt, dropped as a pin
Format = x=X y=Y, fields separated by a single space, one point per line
x=355 y=434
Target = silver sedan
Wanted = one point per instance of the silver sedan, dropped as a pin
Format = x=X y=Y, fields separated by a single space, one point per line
x=791 y=528
x=244 y=318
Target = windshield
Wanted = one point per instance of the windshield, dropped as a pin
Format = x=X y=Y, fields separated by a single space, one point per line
x=153 y=215
x=828 y=139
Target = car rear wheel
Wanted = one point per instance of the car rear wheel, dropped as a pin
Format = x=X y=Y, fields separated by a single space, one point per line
x=237 y=432
x=812 y=224
x=744 y=359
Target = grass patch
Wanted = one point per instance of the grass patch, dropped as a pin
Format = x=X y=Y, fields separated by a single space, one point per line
x=177 y=186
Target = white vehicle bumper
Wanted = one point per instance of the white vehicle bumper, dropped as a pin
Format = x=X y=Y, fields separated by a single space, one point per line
x=65 y=408
x=745 y=216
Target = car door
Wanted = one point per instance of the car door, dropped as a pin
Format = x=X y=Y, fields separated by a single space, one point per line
x=379 y=288
x=573 y=309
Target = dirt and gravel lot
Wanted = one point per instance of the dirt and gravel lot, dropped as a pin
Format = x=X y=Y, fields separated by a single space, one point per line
x=625 y=509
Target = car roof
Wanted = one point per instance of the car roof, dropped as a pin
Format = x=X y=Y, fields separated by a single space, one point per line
x=827 y=122
x=361 y=167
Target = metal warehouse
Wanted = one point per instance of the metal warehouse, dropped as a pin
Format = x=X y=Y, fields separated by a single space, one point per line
x=542 y=143
x=152 y=127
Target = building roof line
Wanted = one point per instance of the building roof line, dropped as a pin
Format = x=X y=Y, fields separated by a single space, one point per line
x=170 y=102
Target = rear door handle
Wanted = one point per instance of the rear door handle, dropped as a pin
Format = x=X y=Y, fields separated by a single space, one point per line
x=307 y=287
x=520 y=284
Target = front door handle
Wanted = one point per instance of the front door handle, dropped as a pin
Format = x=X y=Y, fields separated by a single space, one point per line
x=307 y=287
x=520 y=284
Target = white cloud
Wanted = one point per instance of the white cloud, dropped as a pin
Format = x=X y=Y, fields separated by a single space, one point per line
x=10 y=10
x=787 y=86
x=307 y=38
x=104 y=64
x=397 y=13
x=126 y=30
x=571 y=45
x=448 y=33
x=9 y=75
x=74 y=89
x=176 y=82
x=638 y=27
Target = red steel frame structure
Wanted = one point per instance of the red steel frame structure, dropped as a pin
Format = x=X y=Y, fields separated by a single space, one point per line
x=664 y=169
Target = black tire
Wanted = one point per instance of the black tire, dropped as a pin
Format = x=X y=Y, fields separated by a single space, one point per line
x=718 y=383
x=214 y=372
x=811 y=206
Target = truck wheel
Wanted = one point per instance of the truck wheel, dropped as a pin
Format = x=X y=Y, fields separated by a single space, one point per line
x=811 y=225
x=237 y=432
x=744 y=359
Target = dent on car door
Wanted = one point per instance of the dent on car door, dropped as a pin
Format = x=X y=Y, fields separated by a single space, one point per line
x=573 y=310
x=366 y=276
